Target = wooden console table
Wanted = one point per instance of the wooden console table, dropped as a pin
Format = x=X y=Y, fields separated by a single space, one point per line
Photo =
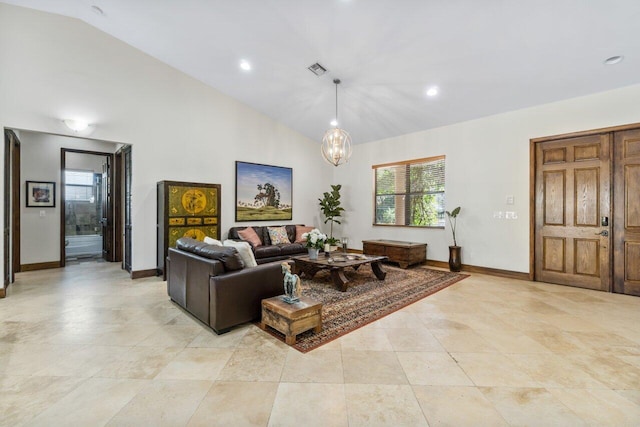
x=404 y=253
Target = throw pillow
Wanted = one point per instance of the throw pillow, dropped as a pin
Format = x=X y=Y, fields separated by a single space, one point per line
x=300 y=230
x=250 y=235
x=245 y=252
x=278 y=235
x=209 y=241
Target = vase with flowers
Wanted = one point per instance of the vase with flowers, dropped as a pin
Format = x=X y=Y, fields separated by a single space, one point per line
x=315 y=241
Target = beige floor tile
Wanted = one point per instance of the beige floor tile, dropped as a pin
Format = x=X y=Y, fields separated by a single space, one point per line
x=599 y=407
x=163 y=403
x=366 y=339
x=512 y=341
x=609 y=370
x=413 y=340
x=139 y=362
x=554 y=371
x=463 y=341
x=510 y=336
x=92 y=403
x=236 y=404
x=261 y=364
x=372 y=367
x=23 y=398
x=457 y=406
x=493 y=370
x=299 y=404
x=383 y=405
x=208 y=338
x=172 y=336
x=531 y=407
x=196 y=364
x=314 y=367
x=424 y=368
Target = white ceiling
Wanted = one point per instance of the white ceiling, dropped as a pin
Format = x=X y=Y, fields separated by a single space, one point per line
x=486 y=56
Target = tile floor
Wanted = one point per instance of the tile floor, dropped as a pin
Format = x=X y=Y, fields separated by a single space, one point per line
x=87 y=346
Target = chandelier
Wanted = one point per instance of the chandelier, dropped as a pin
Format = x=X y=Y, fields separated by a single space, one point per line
x=336 y=143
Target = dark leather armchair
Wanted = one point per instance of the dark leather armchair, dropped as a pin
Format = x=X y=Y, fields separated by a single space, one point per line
x=214 y=295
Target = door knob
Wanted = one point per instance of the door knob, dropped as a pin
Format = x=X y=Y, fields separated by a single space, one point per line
x=604 y=233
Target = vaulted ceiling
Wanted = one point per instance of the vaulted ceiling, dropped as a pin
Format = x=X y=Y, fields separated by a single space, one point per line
x=485 y=56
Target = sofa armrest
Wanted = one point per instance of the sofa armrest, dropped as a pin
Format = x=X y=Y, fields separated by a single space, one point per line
x=236 y=297
x=188 y=281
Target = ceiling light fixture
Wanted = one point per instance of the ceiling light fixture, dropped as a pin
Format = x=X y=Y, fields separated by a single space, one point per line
x=76 y=125
x=336 y=143
x=432 y=91
x=614 y=60
x=245 y=65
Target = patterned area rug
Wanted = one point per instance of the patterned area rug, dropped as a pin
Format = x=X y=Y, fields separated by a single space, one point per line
x=367 y=299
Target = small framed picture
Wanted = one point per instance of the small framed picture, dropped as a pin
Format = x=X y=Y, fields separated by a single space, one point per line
x=41 y=194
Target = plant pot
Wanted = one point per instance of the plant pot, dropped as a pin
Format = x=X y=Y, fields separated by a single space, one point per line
x=455 y=261
x=313 y=253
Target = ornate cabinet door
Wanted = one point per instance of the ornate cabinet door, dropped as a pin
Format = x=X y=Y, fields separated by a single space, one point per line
x=185 y=209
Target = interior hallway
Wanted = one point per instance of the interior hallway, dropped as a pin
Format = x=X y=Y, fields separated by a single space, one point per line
x=85 y=345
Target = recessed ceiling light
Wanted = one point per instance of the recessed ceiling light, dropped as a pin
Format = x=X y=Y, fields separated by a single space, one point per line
x=245 y=65
x=76 y=125
x=432 y=91
x=97 y=10
x=614 y=60
x=334 y=122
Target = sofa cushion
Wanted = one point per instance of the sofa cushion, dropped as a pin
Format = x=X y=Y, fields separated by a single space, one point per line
x=250 y=235
x=228 y=256
x=244 y=249
x=292 y=249
x=278 y=235
x=210 y=241
x=267 y=251
x=300 y=230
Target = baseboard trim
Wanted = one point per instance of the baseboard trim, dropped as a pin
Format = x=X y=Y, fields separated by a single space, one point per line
x=40 y=266
x=140 y=274
x=484 y=270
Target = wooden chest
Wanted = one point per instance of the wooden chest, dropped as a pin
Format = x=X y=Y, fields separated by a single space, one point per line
x=404 y=253
x=291 y=319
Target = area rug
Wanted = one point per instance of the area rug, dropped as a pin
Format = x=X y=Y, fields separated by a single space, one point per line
x=367 y=299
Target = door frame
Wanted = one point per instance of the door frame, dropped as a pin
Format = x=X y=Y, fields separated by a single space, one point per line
x=532 y=181
x=11 y=206
x=110 y=206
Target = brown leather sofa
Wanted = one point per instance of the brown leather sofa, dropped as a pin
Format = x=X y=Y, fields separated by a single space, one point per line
x=268 y=252
x=212 y=284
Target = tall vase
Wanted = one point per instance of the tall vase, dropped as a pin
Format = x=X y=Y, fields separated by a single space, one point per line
x=313 y=253
x=455 y=260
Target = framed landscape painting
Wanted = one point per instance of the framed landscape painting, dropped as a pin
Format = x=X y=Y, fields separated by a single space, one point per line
x=263 y=192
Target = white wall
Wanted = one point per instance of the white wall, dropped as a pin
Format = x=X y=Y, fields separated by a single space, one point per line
x=40 y=161
x=53 y=67
x=486 y=160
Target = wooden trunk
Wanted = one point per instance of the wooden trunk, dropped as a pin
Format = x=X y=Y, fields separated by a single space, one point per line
x=404 y=253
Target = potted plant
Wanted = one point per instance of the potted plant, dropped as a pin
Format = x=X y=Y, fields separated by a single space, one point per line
x=331 y=209
x=455 y=261
x=315 y=241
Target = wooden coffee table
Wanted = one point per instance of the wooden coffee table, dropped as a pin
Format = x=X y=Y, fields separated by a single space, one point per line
x=336 y=265
x=291 y=319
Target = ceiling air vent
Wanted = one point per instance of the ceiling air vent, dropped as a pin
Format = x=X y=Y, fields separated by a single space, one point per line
x=317 y=69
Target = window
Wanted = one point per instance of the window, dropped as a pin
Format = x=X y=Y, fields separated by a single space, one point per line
x=410 y=193
x=79 y=185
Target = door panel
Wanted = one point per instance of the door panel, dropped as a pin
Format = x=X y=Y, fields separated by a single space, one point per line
x=627 y=212
x=572 y=194
x=107 y=220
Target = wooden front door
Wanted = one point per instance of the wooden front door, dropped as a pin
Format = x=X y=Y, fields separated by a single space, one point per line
x=572 y=204
x=627 y=212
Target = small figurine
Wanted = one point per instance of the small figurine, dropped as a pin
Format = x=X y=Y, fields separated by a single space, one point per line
x=291 y=284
